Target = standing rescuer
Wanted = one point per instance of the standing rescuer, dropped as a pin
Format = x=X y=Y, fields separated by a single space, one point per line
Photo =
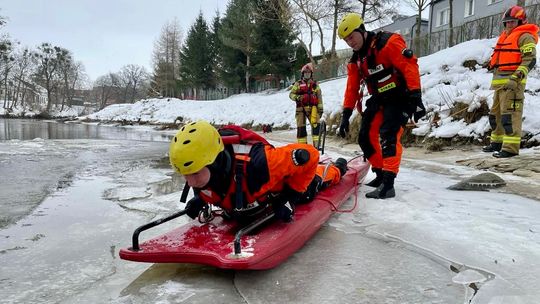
x=307 y=95
x=390 y=71
x=512 y=59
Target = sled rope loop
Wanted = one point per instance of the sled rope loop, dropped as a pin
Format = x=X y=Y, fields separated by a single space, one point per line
x=335 y=209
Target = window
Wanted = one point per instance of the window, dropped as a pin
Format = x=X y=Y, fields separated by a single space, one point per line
x=469 y=8
x=443 y=17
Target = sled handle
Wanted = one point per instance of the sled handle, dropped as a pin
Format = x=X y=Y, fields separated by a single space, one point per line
x=135 y=238
x=247 y=229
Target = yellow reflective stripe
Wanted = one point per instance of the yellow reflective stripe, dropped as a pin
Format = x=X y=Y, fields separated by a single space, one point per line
x=515 y=106
x=302 y=140
x=315 y=138
x=512 y=139
x=496 y=138
x=387 y=87
x=505 y=80
x=528 y=48
x=523 y=69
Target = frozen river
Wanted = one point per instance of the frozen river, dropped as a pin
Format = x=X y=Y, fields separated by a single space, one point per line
x=70 y=202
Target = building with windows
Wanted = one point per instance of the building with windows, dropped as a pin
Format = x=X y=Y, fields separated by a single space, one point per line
x=406 y=27
x=463 y=11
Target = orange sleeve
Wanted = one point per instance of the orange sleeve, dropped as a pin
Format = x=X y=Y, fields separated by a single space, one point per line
x=408 y=67
x=332 y=177
x=353 y=86
x=283 y=171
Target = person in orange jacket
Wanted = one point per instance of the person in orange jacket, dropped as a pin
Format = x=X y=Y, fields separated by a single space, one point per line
x=390 y=70
x=513 y=57
x=246 y=179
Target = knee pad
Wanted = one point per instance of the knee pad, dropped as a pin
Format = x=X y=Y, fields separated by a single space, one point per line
x=388 y=145
x=301 y=132
x=388 y=148
x=506 y=121
x=365 y=144
x=492 y=121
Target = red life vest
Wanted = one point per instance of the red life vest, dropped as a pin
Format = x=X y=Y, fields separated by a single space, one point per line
x=238 y=196
x=507 y=55
x=309 y=89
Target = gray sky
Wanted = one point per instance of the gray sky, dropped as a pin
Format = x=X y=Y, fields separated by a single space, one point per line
x=104 y=34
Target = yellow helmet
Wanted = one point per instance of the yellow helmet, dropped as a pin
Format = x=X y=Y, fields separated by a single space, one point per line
x=348 y=24
x=195 y=146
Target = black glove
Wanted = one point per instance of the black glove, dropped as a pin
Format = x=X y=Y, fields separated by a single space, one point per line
x=415 y=106
x=194 y=207
x=283 y=211
x=311 y=191
x=344 y=126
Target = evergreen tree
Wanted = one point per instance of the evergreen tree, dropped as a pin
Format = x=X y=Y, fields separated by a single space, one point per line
x=215 y=49
x=273 y=42
x=238 y=32
x=195 y=61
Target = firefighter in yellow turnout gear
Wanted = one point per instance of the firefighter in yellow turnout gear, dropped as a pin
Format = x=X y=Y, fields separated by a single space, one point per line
x=512 y=59
x=307 y=94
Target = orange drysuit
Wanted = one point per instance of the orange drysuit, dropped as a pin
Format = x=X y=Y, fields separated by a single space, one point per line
x=391 y=73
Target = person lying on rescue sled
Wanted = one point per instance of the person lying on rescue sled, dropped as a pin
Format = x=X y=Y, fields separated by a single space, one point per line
x=247 y=177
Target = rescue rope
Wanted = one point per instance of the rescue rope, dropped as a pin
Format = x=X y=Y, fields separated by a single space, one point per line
x=335 y=208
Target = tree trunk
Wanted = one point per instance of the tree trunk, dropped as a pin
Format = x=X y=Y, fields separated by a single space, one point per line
x=248 y=62
x=451 y=23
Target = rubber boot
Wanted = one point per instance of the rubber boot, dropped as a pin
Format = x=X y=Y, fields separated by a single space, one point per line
x=386 y=189
x=492 y=147
x=377 y=181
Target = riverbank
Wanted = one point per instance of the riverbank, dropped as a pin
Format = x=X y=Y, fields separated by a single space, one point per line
x=521 y=173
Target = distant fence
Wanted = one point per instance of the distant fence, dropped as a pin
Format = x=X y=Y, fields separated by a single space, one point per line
x=482 y=28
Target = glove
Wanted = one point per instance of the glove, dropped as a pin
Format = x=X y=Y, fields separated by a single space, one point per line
x=512 y=83
x=344 y=126
x=283 y=211
x=194 y=207
x=300 y=100
x=415 y=106
x=311 y=191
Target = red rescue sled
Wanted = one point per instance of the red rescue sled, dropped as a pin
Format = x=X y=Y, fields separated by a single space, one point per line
x=222 y=244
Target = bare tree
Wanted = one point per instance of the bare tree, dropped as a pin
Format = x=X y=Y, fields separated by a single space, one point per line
x=419 y=6
x=133 y=78
x=50 y=59
x=377 y=11
x=105 y=89
x=305 y=19
x=314 y=13
x=338 y=7
x=7 y=62
x=166 y=58
x=25 y=64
